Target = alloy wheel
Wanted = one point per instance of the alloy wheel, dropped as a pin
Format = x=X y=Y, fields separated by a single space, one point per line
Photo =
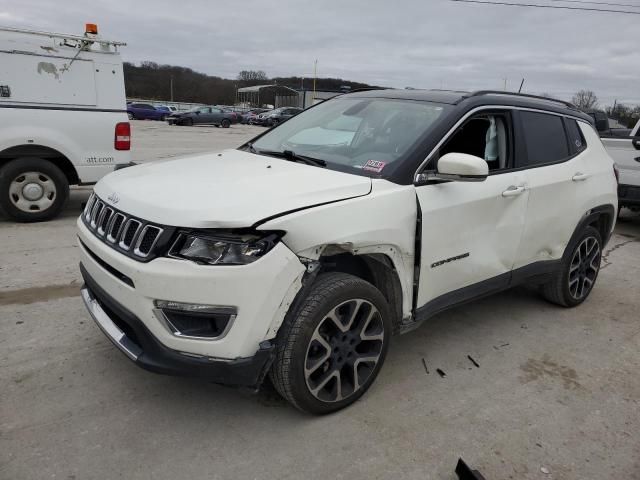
x=344 y=350
x=584 y=267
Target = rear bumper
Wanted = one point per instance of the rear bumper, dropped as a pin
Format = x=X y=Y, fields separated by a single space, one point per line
x=131 y=336
x=628 y=195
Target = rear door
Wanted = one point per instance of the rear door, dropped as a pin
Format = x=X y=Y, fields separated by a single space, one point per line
x=217 y=114
x=557 y=180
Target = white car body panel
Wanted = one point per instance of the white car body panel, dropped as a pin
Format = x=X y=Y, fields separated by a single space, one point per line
x=69 y=106
x=229 y=189
x=473 y=219
x=382 y=222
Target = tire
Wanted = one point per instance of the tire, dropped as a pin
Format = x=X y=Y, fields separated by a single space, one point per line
x=22 y=180
x=131 y=116
x=188 y=122
x=225 y=123
x=163 y=118
x=573 y=282
x=309 y=338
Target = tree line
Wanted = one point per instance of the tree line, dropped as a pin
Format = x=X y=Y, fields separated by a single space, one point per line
x=152 y=81
x=627 y=115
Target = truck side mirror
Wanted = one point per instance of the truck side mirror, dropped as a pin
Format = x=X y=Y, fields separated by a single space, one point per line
x=602 y=125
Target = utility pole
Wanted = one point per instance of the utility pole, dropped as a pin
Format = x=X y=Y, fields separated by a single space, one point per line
x=171 y=87
x=315 y=74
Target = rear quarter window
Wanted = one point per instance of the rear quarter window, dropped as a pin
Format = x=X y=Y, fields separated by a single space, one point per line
x=574 y=134
x=545 y=139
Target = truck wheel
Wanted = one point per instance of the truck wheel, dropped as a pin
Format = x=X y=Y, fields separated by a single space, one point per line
x=331 y=348
x=577 y=275
x=225 y=123
x=32 y=189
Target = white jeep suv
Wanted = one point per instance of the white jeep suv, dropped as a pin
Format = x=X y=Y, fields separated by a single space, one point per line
x=301 y=253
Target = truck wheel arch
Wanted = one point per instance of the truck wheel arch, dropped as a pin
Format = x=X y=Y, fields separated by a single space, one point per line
x=46 y=153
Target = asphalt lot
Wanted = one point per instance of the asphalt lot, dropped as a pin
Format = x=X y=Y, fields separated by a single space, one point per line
x=556 y=390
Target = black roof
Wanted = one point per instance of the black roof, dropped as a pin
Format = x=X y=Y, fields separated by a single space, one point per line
x=470 y=100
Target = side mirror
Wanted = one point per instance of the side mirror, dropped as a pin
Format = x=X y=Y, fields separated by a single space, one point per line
x=460 y=167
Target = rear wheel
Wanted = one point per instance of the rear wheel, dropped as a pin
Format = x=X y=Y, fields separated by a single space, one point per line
x=131 y=116
x=32 y=189
x=331 y=348
x=225 y=123
x=188 y=122
x=575 y=279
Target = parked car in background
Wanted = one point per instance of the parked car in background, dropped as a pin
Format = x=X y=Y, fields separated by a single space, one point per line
x=282 y=114
x=233 y=115
x=145 y=111
x=58 y=129
x=300 y=254
x=167 y=108
x=207 y=115
x=252 y=114
x=260 y=119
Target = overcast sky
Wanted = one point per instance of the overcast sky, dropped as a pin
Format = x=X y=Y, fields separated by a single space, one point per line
x=397 y=43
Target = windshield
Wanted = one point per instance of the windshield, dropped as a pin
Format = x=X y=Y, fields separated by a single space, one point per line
x=362 y=135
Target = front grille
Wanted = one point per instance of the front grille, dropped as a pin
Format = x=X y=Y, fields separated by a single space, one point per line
x=132 y=236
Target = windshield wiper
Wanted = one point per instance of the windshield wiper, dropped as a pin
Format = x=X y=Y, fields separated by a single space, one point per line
x=291 y=156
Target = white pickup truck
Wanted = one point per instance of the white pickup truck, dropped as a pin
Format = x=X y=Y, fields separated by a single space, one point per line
x=624 y=147
x=63 y=119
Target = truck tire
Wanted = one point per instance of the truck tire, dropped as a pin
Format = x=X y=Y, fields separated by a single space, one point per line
x=32 y=189
x=574 y=280
x=332 y=346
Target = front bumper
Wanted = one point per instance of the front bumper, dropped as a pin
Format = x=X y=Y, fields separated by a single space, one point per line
x=260 y=293
x=133 y=338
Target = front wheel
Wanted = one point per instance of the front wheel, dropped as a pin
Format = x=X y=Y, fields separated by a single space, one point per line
x=573 y=282
x=331 y=348
x=32 y=189
x=225 y=123
x=131 y=116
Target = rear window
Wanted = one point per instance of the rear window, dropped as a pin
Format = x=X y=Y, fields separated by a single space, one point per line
x=576 y=139
x=545 y=138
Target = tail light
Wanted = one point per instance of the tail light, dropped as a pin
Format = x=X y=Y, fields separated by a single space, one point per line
x=123 y=136
x=616 y=172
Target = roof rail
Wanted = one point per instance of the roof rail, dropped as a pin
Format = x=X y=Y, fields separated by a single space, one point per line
x=525 y=95
x=366 y=89
x=62 y=36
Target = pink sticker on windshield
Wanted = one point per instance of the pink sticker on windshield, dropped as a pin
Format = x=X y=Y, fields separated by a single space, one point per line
x=374 y=166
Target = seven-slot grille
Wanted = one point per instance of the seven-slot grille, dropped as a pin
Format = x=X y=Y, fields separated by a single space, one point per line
x=134 y=237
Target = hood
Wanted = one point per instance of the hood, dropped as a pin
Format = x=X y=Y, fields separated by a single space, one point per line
x=232 y=189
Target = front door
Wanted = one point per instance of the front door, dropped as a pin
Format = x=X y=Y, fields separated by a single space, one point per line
x=471 y=231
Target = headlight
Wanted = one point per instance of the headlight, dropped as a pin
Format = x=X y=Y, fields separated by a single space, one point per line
x=223 y=249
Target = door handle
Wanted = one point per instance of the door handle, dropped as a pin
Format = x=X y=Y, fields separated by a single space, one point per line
x=513 y=191
x=579 y=177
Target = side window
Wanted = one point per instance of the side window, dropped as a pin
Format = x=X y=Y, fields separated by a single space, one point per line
x=485 y=135
x=576 y=139
x=545 y=139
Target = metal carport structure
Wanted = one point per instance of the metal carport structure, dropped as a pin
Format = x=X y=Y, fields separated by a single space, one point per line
x=260 y=95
